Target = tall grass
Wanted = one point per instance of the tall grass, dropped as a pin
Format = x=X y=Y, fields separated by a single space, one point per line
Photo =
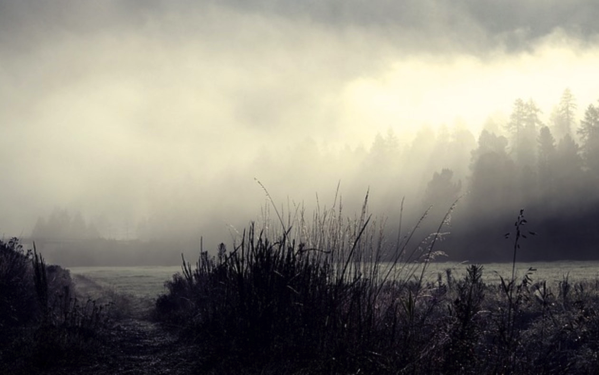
x=42 y=324
x=319 y=294
x=330 y=295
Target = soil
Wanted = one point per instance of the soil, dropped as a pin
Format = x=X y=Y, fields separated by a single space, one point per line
x=134 y=346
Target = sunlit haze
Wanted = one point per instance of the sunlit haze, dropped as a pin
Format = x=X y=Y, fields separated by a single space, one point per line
x=134 y=112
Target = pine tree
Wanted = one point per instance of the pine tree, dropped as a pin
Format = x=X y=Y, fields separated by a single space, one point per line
x=568 y=174
x=488 y=143
x=527 y=147
x=441 y=190
x=522 y=128
x=492 y=182
x=515 y=126
x=545 y=161
x=589 y=136
x=459 y=151
x=564 y=115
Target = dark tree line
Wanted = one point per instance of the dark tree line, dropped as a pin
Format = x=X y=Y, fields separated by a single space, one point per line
x=61 y=225
x=553 y=176
x=547 y=165
x=550 y=169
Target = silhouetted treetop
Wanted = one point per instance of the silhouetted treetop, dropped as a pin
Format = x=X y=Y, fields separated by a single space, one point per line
x=589 y=135
x=60 y=225
x=488 y=143
x=564 y=115
x=441 y=191
x=522 y=128
x=546 y=162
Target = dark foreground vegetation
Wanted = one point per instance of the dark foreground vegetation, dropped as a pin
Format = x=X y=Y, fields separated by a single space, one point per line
x=52 y=323
x=42 y=322
x=319 y=301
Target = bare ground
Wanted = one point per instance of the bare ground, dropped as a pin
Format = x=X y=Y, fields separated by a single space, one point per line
x=133 y=344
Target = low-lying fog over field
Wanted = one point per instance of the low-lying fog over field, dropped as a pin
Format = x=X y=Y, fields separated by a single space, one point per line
x=160 y=120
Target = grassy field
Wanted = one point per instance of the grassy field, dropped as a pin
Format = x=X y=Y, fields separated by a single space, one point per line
x=145 y=282
x=148 y=282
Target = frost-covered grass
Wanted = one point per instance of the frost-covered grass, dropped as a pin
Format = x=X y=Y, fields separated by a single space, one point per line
x=148 y=281
x=142 y=282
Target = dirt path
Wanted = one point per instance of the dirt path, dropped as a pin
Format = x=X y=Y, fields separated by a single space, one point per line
x=133 y=345
x=139 y=347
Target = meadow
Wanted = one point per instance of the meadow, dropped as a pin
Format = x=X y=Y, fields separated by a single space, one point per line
x=148 y=282
x=143 y=282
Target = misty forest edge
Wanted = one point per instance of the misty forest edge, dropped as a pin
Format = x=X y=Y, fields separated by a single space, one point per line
x=551 y=170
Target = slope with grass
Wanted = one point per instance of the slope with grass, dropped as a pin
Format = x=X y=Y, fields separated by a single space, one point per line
x=53 y=323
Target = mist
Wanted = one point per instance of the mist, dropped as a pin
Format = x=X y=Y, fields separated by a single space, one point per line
x=166 y=120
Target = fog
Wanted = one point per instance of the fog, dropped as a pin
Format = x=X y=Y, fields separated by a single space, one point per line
x=156 y=118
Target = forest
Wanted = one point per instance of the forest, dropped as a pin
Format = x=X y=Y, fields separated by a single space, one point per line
x=546 y=165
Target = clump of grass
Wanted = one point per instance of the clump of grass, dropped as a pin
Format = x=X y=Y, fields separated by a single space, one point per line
x=465 y=315
x=321 y=296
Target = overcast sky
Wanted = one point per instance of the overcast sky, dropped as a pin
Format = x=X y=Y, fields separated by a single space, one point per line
x=109 y=107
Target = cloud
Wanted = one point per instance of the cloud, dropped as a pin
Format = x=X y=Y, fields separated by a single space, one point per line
x=414 y=25
x=433 y=25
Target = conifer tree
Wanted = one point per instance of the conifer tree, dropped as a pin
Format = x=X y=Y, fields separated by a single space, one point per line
x=568 y=174
x=545 y=161
x=492 y=184
x=522 y=128
x=589 y=136
x=564 y=115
